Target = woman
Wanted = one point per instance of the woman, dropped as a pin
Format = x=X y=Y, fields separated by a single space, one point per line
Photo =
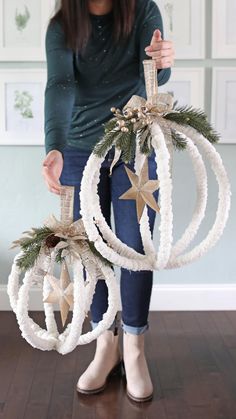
x=95 y=50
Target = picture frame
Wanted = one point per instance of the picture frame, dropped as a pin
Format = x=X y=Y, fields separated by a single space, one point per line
x=187 y=85
x=22 y=106
x=223 y=29
x=23 y=25
x=188 y=38
x=223 y=113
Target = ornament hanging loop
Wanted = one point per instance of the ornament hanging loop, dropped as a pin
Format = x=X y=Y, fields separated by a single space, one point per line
x=67 y=204
x=151 y=83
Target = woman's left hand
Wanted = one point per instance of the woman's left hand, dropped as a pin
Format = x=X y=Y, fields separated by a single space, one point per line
x=161 y=51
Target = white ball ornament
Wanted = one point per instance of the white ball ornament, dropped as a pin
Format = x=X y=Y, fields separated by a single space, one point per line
x=78 y=256
x=168 y=255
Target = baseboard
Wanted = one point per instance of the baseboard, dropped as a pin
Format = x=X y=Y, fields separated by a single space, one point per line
x=164 y=297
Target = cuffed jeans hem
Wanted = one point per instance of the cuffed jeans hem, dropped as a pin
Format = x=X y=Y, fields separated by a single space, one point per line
x=135 y=330
x=94 y=325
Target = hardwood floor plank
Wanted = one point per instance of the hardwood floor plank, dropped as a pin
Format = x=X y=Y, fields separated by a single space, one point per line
x=83 y=406
x=170 y=379
x=21 y=383
x=11 y=345
x=223 y=381
x=191 y=357
x=193 y=394
x=162 y=353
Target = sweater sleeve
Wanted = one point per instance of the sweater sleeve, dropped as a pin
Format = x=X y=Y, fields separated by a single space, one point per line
x=60 y=88
x=152 y=20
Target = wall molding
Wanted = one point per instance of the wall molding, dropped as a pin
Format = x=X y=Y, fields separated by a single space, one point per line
x=171 y=297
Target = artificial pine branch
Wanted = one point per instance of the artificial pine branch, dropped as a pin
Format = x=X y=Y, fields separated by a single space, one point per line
x=125 y=142
x=178 y=141
x=105 y=142
x=130 y=153
x=36 y=235
x=145 y=140
x=29 y=257
x=196 y=118
x=59 y=258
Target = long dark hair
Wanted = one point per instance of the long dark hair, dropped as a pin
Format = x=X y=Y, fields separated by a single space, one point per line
x=74 y=16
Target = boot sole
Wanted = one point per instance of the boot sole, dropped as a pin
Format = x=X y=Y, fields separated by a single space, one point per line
x=136 y=399
x=115 y=370
x=139 y=399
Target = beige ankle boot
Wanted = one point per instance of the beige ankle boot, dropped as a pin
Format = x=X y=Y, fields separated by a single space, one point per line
x=139 y=384
x=107 y=361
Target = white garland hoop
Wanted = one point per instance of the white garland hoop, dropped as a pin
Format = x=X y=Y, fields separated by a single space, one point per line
x=121 y=254
x=224 y=199
x=49 y=339
x=168 y=256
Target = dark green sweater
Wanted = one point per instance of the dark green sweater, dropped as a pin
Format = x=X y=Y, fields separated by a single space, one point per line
x=80 y=91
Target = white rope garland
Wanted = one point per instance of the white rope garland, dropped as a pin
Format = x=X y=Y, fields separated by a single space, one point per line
x=121 y=254
x=201 y=199
x=168 y=255
x=224 y=200
x=48 y=339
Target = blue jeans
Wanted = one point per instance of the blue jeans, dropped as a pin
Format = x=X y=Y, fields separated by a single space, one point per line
x=135 y=286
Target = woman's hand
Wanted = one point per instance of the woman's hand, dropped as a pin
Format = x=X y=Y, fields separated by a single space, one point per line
x=52 y=168
x=161 y=51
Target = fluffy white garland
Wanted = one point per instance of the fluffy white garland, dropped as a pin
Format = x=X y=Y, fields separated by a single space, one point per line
x=168 y=256
x=201 y=199
x=48 y=339
x=121 y=254
x=224 y=200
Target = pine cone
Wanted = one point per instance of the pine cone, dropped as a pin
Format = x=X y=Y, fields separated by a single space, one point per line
x=51 y=241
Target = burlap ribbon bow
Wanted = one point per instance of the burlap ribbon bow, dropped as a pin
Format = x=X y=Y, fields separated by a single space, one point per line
x=76 y=244
x=159 y=104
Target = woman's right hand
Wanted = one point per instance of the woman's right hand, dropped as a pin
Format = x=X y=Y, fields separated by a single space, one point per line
x=51 y=170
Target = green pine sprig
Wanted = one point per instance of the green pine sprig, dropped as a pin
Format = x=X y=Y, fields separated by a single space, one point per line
x=178 y=141
x=145 y=140
x=31 y=245
x=125 y=141
x=196 y=118
x=29 y=257
x=107 y=139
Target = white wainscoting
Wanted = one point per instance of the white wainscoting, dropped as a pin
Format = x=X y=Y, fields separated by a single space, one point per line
x=164 y=297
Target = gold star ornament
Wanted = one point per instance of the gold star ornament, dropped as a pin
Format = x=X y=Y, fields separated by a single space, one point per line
x=62 y=292
x=142 y=189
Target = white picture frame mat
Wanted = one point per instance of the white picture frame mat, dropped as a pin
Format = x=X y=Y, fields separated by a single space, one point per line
x=27 y=54
x=15 y=76
x=221 y=107
x=194 y=48
x=220 y=47
x=195 y=76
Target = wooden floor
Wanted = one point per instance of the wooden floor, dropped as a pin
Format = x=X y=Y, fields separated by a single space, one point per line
x=192 y=361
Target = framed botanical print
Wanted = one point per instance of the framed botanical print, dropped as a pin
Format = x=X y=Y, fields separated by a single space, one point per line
x=22 y=106
x=23 y=26
x=184 y=24
x=186 y=85
x=224 y=103
x=224 y=29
